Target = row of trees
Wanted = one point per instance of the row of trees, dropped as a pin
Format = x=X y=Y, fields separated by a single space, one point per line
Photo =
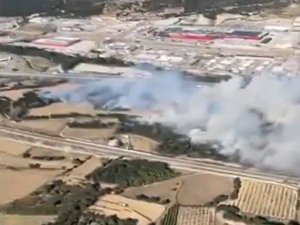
x=231 y=212
x=92 y=124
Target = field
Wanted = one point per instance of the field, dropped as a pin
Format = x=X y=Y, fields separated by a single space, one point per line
x=25 y=220
x=12 y=147
x=124 y=208
x=79 y=173
x=201 y=188
x=63 y=108
x=195 y=216
x=100 y=136
x=164 y=190
x=20 y=163
x=143 y=143
x=171 y=216
x=50 y=126
x=14 y=94
x=266 y=199
x=16 y=184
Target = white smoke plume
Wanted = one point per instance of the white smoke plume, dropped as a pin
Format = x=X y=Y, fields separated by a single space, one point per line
x=259 y=120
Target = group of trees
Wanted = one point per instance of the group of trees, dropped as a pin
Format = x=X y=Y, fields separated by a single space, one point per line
x=68 y=202
x=55 y=198
x=171 y=143
x=215 y=7
x=136 y=172
x=236 y=188
x=154 y=199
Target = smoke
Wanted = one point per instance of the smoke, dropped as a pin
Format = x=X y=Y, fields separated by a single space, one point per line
x=258 y=119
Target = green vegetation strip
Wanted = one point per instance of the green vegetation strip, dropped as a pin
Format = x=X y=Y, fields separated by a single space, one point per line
x=171 y=217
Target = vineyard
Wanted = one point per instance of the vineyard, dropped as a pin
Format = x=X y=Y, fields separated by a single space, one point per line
x=171 y=217
x=196 y=216
x=268 y=200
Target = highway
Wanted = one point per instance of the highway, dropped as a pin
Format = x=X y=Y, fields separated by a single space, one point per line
x=197 y=165
x=88 y=76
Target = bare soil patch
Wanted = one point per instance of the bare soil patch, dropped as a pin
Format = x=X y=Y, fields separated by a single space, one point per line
x=16 y=184
x=12 y=147
x=200 y=189
x=124 y=208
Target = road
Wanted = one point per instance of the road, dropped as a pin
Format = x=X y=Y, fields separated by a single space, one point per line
x=90 y=76
x=76 y=145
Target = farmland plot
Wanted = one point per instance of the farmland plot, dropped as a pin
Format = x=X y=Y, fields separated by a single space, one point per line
x=196 y=216
x=266 y=199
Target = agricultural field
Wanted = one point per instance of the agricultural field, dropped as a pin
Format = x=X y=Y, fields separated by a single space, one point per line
x=195 y=216
x=16 y=184
x=100 y=136
x=272 y=201
x=49 y=126
x=25 y=220
x=144 y=212
x=14 y=94
x=79 y=173
x=12 y=147
x=171 y=216
x=202 y=188
x=143 y=143
x=63 y=108
x=164 y=190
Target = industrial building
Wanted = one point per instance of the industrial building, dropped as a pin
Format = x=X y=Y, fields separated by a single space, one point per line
x=57 y=41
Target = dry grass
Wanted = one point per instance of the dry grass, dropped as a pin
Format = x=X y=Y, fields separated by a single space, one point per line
x=267 y=199
x=165 y=189
x=42 y=152
x=25 y=220
x=123 y=208
x=63 y=108
x=12 y=147
x=100 y=136
x=202 y=188
x=50 y=126
x=143 y=143
x=16 y=184
x=79 y=173
x=195 y=216
x=60 y=87
x=14 y=94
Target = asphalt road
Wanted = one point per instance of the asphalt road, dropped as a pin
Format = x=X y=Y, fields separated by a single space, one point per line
x=90 y=76
x=76 y=145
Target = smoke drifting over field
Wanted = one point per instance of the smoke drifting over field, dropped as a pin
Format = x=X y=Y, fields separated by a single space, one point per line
x=259 y=120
